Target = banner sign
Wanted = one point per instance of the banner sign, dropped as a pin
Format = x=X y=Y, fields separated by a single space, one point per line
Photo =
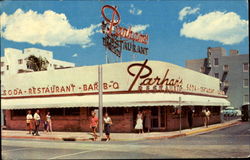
x=119 y=38
x=130 y=77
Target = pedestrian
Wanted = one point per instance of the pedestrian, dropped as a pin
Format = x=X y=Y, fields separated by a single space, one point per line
x=37 y=123
x=139 y=122
x=107 y=125
x=148 y=119
x=29 y=118
x=207 y=117
x=93 y=124
x=49 y=122
x=190 y=118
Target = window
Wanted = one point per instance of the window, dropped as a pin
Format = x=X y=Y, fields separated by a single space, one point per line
x=2 y=64
x=20 y=61
x=245 y=67
x=65 y=111
x=18 y=113
x=114 y=111
x=216 y=75
x=56 y=111
x=216 y=61
x=246 y=98
x=55 y=65
x=7 y=67
x=2 y=72
x=245 y=83
x=72 y=111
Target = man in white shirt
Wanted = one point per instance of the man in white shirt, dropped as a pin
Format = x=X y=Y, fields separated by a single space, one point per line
x=37 y=123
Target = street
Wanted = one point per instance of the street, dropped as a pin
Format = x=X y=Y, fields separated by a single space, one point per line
x=231 y=142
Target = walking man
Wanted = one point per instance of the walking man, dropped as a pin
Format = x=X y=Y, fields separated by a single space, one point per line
x=37 y=123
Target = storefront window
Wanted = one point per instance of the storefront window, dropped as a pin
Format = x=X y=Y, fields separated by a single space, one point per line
x=18 y=113
x=72 y=111
x=56 y=111
x=65 y=111
x=115 y=111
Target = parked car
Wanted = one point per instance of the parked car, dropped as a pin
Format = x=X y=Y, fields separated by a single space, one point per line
x=245 y=109
x=231 y=112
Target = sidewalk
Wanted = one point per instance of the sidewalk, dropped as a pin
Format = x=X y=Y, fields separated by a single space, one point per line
x=86 y=136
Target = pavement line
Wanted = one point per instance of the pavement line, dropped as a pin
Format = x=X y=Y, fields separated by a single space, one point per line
x=72 y=154
x=15 y=149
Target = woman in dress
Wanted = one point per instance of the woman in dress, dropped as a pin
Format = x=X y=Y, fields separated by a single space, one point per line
x=29 y=118
x=49 y=122
x=107 y=124
x=139 y=122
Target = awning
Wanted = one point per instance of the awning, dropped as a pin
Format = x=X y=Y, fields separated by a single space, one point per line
x=114 y=100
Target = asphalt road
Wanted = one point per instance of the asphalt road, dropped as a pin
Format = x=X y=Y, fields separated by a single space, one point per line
x=232 y=142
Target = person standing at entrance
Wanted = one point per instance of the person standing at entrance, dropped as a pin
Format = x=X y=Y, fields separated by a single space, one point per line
x=37 y=123
x=190 y=118
x=93 y=124
x=148 y=119
x=139 y=122
x=49 y=122
x=29 y=118
x=207 y=116
x=107 y=125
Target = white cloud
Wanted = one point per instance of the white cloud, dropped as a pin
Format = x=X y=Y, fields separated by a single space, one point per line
x=48 y=29
x=226 y=28
x=187 y=11
x=134 y=10
x=75 y=55
x=139 y=27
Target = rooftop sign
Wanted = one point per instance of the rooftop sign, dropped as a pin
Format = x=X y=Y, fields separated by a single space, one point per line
x=119 y=38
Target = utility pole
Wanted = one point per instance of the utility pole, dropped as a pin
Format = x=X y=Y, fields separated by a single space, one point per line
x=180 y=111
x=100 y=100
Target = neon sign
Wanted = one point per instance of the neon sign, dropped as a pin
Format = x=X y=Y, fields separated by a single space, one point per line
x=119 y=38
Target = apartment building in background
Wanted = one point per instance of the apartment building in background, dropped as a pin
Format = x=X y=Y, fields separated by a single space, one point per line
x=232 y=70
x=15 y=60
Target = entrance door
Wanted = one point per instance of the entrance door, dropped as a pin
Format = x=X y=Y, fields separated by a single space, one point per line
x=158 y=117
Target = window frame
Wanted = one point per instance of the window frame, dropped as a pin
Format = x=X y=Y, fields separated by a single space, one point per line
x=245 y=86
x=244 y=98
x=243 y=67
x=215 y=61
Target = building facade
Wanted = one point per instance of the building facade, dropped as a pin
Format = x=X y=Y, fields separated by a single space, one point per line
x=167 y=90
x=232 y=70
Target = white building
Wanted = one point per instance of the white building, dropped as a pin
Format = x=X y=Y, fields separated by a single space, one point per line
x=15 y=60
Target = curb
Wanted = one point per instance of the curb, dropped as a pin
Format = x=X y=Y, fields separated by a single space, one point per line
x=202 y=130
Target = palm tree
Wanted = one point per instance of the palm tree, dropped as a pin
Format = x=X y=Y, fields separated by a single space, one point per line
x=37 y=64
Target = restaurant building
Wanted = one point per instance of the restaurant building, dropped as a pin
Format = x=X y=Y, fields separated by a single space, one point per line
x=71 y=94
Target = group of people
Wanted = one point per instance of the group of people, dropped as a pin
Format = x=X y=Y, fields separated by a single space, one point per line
x=143 y=121
x=141 y=117
x=94 y=124
x=33 y=122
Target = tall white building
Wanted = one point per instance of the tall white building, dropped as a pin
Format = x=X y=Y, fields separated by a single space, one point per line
x=15 y=60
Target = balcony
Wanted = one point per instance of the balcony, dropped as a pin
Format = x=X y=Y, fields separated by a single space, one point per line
x=225 y=69
x=226 y=84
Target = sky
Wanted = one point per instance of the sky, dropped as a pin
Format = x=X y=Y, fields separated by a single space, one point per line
x=178 y=30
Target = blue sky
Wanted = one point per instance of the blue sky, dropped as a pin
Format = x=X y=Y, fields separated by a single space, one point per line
x=178 y=30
